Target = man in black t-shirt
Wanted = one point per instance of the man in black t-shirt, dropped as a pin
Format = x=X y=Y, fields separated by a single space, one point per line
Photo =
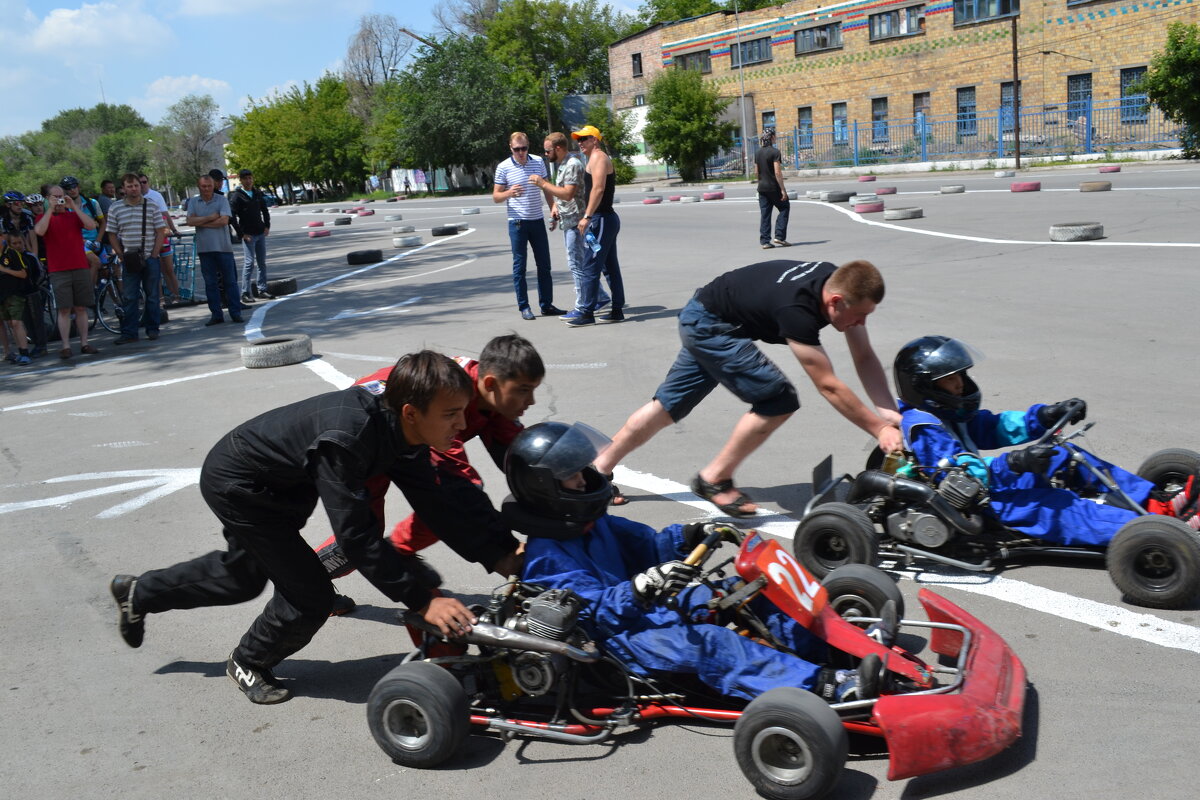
x=779 y=302
x=771 y=194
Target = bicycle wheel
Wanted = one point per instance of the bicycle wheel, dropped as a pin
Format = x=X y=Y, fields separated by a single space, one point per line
x=108 y=307
x=50 y=314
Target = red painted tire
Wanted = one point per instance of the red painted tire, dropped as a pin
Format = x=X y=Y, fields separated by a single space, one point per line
x=675 y=198
x=315 y=224
x=865 y=178
x=1026 y=186
x=651 y=201
x=868 y=208
x=359 y=208
x=366 y=212
x=1111 y=168
x=886 y=190
x=713 y=195
x=319 y=234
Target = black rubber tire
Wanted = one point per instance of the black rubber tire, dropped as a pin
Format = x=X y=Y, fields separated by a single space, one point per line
x=342 y=220
x=276 y=351
x=1169 y=469
x=790 y=745
x=1155 y=562
x=445 y=230
x=418 y=714
x=108 y=308
x=833 y=535
x=860 y=590
x=280 y=286
x=364 y=256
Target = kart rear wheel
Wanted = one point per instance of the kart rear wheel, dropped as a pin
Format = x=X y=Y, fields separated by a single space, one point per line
x=1169 y=469
x=1155 y=561
x=418 y=714
x=861 y=590
x=790 y=744
x=833 y=535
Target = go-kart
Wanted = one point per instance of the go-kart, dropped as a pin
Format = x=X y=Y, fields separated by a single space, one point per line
x=902 y=511
x=529 y=669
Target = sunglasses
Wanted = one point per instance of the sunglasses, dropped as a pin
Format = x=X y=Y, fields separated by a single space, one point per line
x=519 y=149
x=585 y=138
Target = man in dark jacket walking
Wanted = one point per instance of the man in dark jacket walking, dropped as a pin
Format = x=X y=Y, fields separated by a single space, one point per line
x=251 y=222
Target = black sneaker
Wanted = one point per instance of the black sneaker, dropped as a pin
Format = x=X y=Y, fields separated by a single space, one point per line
x=258 y=684
x=131 y=624
x=247 y=300
x=263 y=294
x=342 y=605
x=616 y=315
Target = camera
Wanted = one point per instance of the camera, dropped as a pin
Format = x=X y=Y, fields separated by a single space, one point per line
x=62 y=201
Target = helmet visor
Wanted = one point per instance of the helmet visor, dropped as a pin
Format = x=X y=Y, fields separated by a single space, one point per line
x=950 y=357
x=574 y=450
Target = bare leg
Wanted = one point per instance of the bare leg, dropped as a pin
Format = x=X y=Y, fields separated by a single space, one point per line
x=81 y=313
x=637 y=430
x=748 y=435
x=170 y=282
x=64 y=327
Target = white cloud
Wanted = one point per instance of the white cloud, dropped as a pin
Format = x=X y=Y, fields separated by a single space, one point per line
x=168 y=89
x=94 y=32
x=267 y=8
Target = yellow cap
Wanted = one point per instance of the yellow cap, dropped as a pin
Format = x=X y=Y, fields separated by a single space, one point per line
x=586 y=130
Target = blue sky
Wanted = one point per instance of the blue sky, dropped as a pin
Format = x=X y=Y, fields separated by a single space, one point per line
x=149 y=53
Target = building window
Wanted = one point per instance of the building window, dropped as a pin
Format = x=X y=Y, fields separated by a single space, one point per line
x=639 y=99
x=879 y=126
x=978 y=10
x=965 y=106
x=901 y=22
x=1006 y=106
x=754 y=51
x=700 y=61
x=840 y=132
x=637 y=65
x=921 y=106
x=1134 y=106
x=1079 y=96
x=823 y=37
x=804 y=126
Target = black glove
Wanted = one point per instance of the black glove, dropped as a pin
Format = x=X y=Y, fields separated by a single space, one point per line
x=1035 y=458
x=695 y=532
x=666 y=578
x=1051 y=414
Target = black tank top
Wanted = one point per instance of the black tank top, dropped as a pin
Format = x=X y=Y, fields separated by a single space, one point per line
x=610 y=185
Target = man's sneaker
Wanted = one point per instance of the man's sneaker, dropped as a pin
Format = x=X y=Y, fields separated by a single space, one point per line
x=884 y=631
x=768 y=246
x=616 y=315
x=572 y=314
x=23 y=360
x=552 y=311
x=848 y=685
x=258 y=684
x=585 y=318
x=603 y=304
x=247 y=299
x=131 y=624
x=781 y=243
x=342 y=605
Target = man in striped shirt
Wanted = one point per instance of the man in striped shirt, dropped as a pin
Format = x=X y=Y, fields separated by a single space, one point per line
x=526 y=225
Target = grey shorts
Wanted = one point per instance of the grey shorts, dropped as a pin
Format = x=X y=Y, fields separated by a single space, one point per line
x=73 y=287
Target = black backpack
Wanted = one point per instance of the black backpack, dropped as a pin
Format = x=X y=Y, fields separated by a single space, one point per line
x=35 y=275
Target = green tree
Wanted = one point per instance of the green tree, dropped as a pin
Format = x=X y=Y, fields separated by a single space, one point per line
x=653 y=11
x=183 y=144
x=682 y=125
x=617 y=129
x=1173 y=83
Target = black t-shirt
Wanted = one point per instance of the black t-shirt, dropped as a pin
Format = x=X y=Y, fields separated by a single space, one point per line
x=773 y=301
x=765 y=159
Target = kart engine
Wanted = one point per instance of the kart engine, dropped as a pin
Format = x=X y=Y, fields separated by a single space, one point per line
x=549 y=615
x=924 y=526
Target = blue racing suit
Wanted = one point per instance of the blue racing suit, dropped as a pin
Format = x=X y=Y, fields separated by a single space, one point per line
x=1025 y=502
x=598 y=566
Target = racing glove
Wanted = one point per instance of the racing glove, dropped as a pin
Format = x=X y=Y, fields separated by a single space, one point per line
x=1051 y=414
x=668 y=579
x=1035 y=458
x=695 y=532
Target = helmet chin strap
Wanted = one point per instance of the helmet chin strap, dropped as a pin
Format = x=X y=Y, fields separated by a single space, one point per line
x=530 y=524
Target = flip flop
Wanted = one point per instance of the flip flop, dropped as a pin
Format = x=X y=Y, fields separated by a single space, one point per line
x=708 y=491
x=618 y=497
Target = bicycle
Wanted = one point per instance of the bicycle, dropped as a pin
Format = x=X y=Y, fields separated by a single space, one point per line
x=108 y=309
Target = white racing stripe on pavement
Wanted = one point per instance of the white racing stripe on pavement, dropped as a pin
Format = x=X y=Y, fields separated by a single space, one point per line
x=329 y=373
x=140 y=386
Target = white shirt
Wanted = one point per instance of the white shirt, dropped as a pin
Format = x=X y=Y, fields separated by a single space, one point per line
x=510 y=173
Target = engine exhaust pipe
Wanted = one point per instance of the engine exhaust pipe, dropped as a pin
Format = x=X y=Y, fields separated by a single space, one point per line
x=486 y=634
x=876 y=483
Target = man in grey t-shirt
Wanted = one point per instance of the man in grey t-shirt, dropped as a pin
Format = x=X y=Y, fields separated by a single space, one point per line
x=209 y=215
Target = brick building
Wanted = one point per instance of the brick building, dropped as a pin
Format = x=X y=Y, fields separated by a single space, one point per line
x=809 y=66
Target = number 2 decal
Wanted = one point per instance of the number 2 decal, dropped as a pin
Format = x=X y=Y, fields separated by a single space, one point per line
x=789 y=571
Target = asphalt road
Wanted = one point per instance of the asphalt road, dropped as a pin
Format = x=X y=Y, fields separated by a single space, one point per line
x=100 y=457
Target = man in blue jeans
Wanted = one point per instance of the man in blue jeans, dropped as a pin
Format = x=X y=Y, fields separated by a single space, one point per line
x=601 y=222
x=209 y=215
x=526 y=225
x=136 y=226
x=252 y=224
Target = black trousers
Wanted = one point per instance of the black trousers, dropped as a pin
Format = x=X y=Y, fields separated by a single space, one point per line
x=263 y=543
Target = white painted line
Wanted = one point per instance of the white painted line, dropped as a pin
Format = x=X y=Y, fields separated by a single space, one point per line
x=138 y=387
x=160 y=482
x=356 y=357
x=582 y=365
x=395 y=308
x=329 y=373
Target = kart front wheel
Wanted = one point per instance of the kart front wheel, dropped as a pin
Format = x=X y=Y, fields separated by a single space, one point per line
x=1155 y=561
x=1170 y=469
x=833 y=535
x=790 y=744
x=418 y=714
x=861 y=590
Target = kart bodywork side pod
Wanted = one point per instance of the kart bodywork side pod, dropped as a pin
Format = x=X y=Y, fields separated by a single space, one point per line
x=928 y=733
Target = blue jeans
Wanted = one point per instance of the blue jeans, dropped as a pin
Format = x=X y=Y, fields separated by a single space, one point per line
x=605 y=227
x=531 y=232
x=149 y=282
x=576 y=257
x=219 y=268
x=255 y=251
x=765 y=203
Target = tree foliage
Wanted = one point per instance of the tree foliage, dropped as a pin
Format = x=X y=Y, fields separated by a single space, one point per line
x=1173 y=83
x=468 y=17
x=374 y=55
x=617 y=129
x=682 y=126
x=653 y=11
x=183 y=144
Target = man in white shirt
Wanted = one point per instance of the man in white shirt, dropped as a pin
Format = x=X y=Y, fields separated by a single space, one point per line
x=166 y=258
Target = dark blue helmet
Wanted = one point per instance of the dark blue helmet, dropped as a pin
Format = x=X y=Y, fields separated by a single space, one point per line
x=922 y=362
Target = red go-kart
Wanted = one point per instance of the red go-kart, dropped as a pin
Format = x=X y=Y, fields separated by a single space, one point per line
x=528 y=669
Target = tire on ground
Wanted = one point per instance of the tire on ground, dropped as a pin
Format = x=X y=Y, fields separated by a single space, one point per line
x=1025 y=186
x=885 y=190
x=836 y=197
x=280 y=286
x=316 y=223
x=276 y=351
x=790 y=744
x=418 y=714
x=1076 y=231
x=406 y=241
x=393 y=218
x=953 y=188
x=1095 y=186
x=1111 y=168
x=445 y=230
x=865 y=178
x=869 y=208
x=1155 y=561
x=364 y=256
x=651 y=201
x=341 y=221
x=911 y=212
x=713 y=196
x=1005 y=173
x=317 y=234
x=403 y=229
x=468 y=211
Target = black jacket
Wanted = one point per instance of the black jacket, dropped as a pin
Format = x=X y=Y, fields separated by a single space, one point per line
x=248 y=212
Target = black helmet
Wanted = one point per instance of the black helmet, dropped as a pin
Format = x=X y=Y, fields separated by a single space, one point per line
x=69 y=182
x=539 y=458
x=923 y=361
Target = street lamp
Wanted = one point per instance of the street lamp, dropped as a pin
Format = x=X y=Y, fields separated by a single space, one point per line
x=737 y=19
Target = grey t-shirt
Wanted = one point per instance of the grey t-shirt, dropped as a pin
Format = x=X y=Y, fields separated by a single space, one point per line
x=211 y=240
x=570 y=173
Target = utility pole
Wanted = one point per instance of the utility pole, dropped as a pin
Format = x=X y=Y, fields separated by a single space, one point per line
x=737 y=20
x=1016 y=98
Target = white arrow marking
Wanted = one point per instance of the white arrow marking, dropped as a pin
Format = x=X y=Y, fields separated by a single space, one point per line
x=160 y=482
x=347 y=314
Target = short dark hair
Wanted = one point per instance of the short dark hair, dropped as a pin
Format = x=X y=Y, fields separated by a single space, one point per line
x=419 y=377
x=511 y=357
x=857 y=281
x=106 y=180
x=243 y=172
x=130 y=176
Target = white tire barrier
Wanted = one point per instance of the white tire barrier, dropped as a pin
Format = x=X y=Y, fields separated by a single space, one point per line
x=1095 y=186
x=865 y=197
x=319 y=233
x=468 y=211
x=812 y=195
x=1004 y=173
x=406 y=241
x=393 y=218
x=647 y=188
x=1076 y=231
x=713 y=196
x=954 y=188
x=716 y=187
x=292 y=211
x=691 y=198
x=1026 y=186
x=911 y=212
x=793 y=195
x=403 y=229
x=276 y=351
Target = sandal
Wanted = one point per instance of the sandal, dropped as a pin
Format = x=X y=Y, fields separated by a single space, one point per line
x=618 y=497
x=708 y=491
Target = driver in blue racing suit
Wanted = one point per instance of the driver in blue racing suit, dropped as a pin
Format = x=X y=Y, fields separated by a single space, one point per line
x=941 y=419
x=619 y=567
